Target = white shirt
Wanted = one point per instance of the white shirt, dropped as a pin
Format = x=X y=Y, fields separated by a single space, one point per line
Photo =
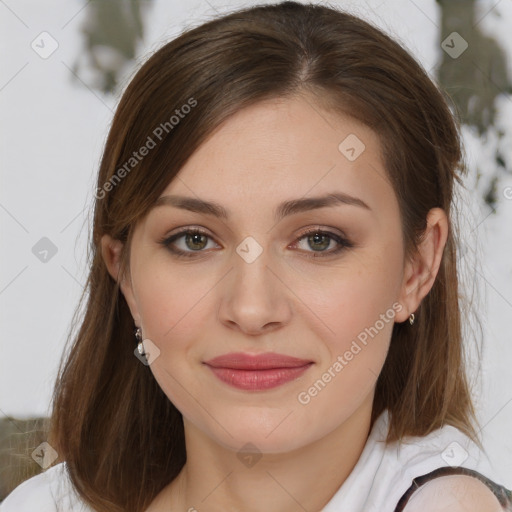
x=380 y=478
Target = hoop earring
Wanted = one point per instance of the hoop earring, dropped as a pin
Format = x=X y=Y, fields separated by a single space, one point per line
x=411 y=318
x=138 y=336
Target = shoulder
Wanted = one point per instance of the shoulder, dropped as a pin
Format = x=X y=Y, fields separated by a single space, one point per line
x=456 y=493
x=443 y=470
x=46 y=492
x=36 y=493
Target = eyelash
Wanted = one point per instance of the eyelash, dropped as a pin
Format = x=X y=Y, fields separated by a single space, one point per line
x=344 y=243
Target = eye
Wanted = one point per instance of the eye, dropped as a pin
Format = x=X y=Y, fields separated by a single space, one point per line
x=194 y=240
x=320 y=240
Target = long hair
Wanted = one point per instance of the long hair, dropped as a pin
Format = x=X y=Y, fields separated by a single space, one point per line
x=121 y=437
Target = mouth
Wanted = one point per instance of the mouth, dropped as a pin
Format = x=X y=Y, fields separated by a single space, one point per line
x=257 y=372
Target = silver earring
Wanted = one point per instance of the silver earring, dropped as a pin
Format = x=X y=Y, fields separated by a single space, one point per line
x=140 y=346
x=411 y=318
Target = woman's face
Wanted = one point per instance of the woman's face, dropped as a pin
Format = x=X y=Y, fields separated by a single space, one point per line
x=255 y=282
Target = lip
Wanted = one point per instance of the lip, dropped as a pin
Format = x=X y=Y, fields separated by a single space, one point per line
x=257 y=371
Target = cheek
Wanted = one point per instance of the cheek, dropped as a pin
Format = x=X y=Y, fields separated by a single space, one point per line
x=360 y=316
x=358 y=311
x=350 y=299
x=173 y=306
x=357 y=341
x=171 y=300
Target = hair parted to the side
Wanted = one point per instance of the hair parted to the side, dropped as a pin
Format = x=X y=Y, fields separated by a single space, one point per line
x=121 y=437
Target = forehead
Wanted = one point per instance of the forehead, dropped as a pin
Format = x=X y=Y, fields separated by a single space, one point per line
x=281 y=149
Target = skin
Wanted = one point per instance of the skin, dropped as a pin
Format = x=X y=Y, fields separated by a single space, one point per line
x=453 y=494
x=285 y=301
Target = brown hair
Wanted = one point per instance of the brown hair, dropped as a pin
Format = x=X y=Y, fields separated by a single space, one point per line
x=121 y=437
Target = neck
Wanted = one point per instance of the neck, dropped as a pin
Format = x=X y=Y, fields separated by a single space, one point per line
x=216 y=479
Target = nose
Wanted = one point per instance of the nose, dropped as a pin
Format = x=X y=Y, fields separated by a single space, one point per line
x=254 y=298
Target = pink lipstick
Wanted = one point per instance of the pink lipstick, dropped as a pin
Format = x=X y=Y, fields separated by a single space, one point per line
x=257 y=372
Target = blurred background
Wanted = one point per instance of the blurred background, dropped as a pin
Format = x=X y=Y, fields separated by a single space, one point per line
x=63 y=68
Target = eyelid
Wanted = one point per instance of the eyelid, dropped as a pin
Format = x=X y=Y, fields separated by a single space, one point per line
x=167 y=240
x=314 y=228
x=339 y=237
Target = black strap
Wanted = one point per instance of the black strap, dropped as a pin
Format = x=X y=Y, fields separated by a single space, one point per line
x=503 y=495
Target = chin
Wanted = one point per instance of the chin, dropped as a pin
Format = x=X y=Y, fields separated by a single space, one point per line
x=271 y=431
x=243 y=440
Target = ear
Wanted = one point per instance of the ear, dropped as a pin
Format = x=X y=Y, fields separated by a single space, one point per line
x=111 y=251
x=420 y=272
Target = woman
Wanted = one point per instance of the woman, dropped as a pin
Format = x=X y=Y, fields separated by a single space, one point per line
x=273 y=221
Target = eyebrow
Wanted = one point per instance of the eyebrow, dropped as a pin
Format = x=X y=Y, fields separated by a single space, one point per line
x=284 y=209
